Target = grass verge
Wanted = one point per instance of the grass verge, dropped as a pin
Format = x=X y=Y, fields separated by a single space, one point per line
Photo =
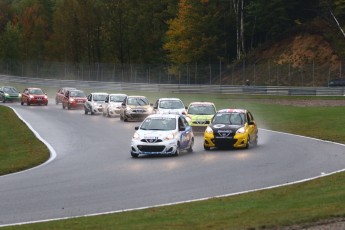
x=20 y=149
x=301 y=203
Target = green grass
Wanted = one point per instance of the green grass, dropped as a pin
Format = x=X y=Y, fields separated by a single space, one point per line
x=20 y=149
x=301 y=203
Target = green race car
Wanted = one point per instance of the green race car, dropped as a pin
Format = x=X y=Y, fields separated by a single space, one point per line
x=199 y=115
x=9 y=93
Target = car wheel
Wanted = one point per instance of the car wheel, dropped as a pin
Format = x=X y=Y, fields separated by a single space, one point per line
x=28 y=103
x=21 y=102
x=121 y=117
x=56 y=101
x=190 y=149
x=68 y=106
x=92 y=113
x=134 y=155
x=4 y=100
x=125 y=119
x=177 y=151
x=108 y=114
x=86 y=112
x=46 y=104
x=206 y=147
x=63 y=106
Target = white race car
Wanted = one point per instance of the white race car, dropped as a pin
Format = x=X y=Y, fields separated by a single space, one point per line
x=169 y=105
x=112 y=105
x=162 y=134
x=94 y=103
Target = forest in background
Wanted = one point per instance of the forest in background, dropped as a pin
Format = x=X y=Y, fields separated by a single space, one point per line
x=173 y=32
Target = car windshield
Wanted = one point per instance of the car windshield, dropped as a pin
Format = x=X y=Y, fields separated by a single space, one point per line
x=36 y=91
x=137 y=101
x=117 y=98
x=171 y=104
x=160 y=123
x=10 y=90
x=201 y=110
x=77 y=94
x=99 y=97
x=229 y=118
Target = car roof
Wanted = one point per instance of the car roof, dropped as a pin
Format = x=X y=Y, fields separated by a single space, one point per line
x=99 y=93
x=33 y=88
x=156 y=115
x=169 y=99
x=232 y=111
x=117 y=94
x=201 y=103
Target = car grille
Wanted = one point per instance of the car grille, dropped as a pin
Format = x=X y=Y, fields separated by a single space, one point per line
x=200 y=122
x=139 y=111
x=151 y=148
x=151 y=140
x=224 y=133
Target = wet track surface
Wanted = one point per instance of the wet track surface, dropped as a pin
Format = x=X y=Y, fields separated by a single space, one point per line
x=93 y=171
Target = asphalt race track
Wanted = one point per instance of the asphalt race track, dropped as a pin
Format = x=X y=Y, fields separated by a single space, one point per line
x=93 y=171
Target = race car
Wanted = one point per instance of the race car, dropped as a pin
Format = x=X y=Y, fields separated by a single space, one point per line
x=135 y=108
x=162 y=134
x=112 y=105
x=9 y=93
x=34 y=96
x=94 y=103
x=231 y=128
x=74 y=99
x=199 y=115
x=169 y=105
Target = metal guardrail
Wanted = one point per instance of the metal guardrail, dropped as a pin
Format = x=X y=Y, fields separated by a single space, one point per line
x=178 y=88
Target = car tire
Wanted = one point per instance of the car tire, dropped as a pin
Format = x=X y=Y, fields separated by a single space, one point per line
x=134 y=155
x=91 y=112
x=4 y=100
x=86 y=112
x=63 y=106
x=206 y=148
x=177 y=151
x=190 y=149
x=68 y=106
x=21 y=102
x=121 y=117
x=108 y=114
x=28 y=103
x=125 y=119
x=56 y=101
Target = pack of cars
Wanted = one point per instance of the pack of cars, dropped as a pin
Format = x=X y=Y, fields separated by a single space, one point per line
x=166 y=128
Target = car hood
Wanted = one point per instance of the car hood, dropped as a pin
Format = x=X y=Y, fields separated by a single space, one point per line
x=115 y=103
x=200 y=117
x=138 y=106
x=171 y=111
x=233 y=128
x=154 y=134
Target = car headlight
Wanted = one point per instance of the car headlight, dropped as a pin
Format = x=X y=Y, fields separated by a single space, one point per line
x=45 y=97
x=31 y=96
x=71 y=100
x=136 y=136
x=150 y=110
x=241 y=130
x=6 y=95
x=209 y=130
x=171 y=136
x=128 y=108
x=19 y=95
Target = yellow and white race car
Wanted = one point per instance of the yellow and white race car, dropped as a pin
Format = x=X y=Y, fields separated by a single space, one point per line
x=199 y=115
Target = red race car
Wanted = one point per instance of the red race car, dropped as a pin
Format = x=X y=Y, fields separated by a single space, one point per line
x=73 y=99
x=61 y=94
x=34 y=96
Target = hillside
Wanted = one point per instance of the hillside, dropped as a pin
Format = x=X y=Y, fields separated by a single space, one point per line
x=308 y=55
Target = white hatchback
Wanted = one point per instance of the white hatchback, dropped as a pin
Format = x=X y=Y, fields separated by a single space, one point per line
x=169 y=106
x=94 y=103
x=112 y=105
x=162 y=134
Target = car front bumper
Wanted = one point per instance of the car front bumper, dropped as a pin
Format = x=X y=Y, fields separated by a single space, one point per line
x=236 y=141
x=160 y=148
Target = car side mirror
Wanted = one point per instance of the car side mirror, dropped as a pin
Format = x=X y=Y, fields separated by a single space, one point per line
x=123 y=104
x=182 y=129
x=136 y=127
x=251 y=123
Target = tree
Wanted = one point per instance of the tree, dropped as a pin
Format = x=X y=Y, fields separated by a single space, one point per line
x=192 y=36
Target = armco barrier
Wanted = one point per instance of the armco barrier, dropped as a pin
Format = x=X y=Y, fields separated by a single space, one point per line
x=177 y=88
